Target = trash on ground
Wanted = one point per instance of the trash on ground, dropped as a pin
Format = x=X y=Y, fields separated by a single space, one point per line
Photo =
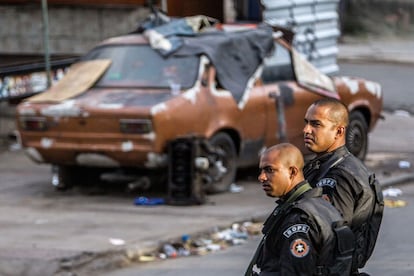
x=404 y=164
x=393 y=192
x=15 y=147
x=395 y=203
x=402 y=113
x=253 y=228
x=147 y=258
x=234 y=188
x=216 y=240
x=115 y=241
x=142 y=200
x=169 y=251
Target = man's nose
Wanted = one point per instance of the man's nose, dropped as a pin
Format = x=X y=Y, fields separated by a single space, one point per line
x=261 y=177
x=306 y=128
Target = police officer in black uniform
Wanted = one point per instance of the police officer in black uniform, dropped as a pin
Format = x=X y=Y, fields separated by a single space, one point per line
x=298 y=235
x=343 y=177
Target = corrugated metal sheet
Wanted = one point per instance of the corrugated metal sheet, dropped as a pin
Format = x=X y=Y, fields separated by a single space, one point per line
x=316 y=27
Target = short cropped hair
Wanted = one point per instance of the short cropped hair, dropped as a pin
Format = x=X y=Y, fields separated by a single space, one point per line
x=338 y=111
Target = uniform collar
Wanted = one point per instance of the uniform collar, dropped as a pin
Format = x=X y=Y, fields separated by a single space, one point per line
x=325 y=157
x=291 y=192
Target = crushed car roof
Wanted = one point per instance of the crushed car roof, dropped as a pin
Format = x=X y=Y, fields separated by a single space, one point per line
x=236 y=55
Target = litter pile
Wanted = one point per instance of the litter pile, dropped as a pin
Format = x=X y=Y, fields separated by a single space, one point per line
x=391 y=198
x=218 y=239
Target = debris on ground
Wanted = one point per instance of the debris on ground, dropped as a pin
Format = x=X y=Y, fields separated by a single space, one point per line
x=115 y=241
x=404 y=164
x=392 y=202
x=402 y=113
x=142 y=200
x=395 y=203
x=393 y=192
x=234 y=188
x=216 y=240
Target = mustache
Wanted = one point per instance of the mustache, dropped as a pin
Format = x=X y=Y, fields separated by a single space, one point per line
x=307 y=136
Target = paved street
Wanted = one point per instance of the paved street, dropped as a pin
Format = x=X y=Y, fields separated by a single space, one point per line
x=392 y=255
x=45 y=232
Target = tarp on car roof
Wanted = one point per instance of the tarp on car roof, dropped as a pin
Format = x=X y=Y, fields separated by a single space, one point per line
x=235 y=55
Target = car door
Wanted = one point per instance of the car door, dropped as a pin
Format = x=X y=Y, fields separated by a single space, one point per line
x=288 y=100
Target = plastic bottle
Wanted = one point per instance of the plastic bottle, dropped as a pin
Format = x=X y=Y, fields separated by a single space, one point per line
x=169 y=250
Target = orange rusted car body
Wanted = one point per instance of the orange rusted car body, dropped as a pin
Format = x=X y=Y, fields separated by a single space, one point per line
x=130 y=126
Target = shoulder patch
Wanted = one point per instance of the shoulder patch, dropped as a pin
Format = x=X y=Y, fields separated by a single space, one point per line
x=330 y=182
x=297 y=228
x=299 y=248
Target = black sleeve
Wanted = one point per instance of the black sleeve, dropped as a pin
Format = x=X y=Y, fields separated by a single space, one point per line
x=342 y=190
x=298 y=241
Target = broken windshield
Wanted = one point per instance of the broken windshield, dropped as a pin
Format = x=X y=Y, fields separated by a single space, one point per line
x=141 y=66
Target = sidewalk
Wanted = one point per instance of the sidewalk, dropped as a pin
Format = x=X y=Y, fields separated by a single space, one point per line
x=385 y=49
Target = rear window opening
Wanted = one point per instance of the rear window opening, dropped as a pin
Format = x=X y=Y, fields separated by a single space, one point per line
x=141 y=66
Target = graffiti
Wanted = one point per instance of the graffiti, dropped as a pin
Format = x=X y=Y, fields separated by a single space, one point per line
x=23 y=85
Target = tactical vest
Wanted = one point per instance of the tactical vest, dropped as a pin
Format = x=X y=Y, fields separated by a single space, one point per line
x=368 y=210
x=343 y=237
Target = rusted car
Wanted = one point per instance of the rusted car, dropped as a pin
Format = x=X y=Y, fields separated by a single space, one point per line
x=120 y=107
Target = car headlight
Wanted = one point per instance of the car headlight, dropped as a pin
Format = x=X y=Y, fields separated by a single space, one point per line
x=34 y=123
x=135 y=126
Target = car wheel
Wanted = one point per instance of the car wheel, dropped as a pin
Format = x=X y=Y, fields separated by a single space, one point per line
x=357 y=135
x=223 y=170
x=66 y=177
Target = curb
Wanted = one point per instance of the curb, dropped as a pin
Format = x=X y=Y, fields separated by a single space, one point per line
x=376 y=51
x=374 y=59
x=397 y=180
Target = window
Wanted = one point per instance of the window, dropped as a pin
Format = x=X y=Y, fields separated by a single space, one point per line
x=278 y=66
x=141 y=66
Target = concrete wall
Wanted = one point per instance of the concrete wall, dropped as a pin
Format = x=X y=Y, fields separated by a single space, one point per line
x=7 y=123
x=72 y=30
x=384 y=17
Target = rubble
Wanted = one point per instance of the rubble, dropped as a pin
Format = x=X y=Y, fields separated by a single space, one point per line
x=391 y=200
x=215 y=240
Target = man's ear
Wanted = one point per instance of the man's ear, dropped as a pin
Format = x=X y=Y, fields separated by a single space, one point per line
x=293 y=172
x=340 y=131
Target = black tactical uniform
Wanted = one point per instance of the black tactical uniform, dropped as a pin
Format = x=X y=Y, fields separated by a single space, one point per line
x=298 y=236
x=345 y=181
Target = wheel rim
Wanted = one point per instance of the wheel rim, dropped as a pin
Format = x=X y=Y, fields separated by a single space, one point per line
x=223 y=170
x=356 y=140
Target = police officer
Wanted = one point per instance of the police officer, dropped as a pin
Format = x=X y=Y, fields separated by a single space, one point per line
x=343 y=177
x=298 y=236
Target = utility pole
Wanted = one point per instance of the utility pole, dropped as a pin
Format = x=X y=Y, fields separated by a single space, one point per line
x=46 y=41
